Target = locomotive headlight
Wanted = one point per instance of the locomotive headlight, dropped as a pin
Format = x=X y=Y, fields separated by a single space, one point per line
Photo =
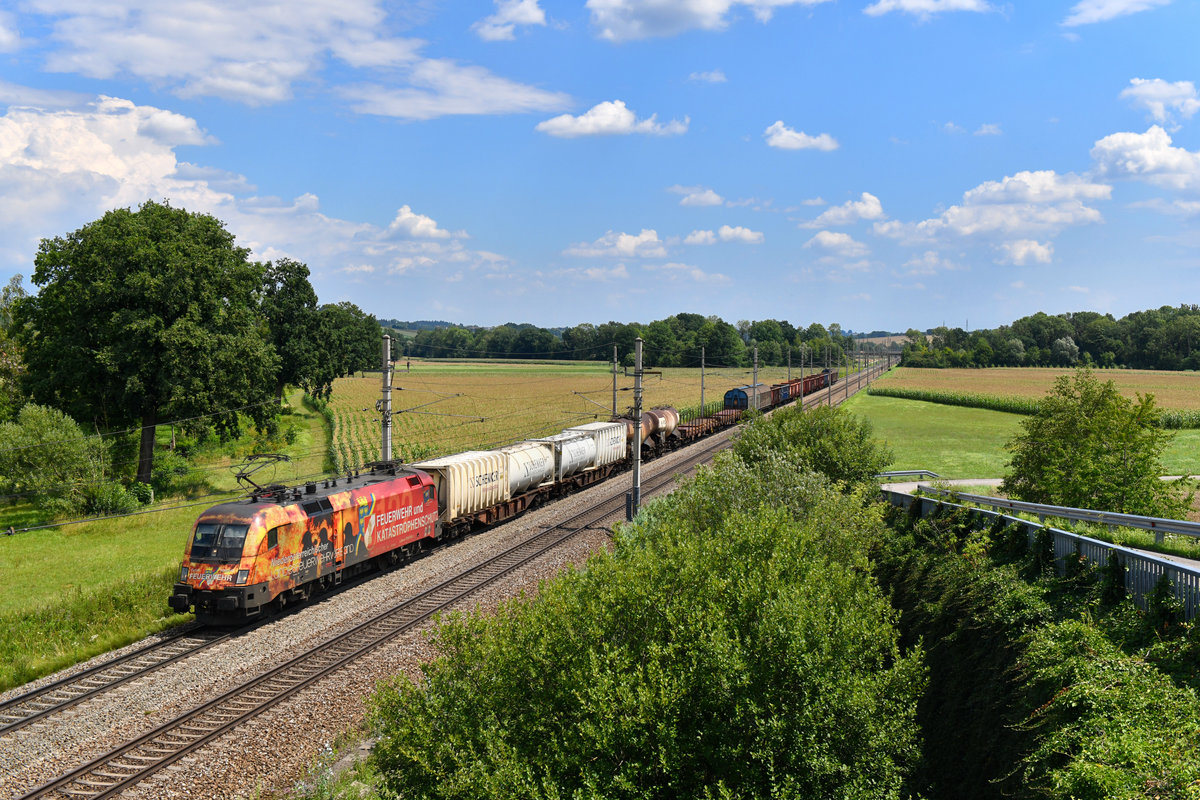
x=242 y=576
x=183 y=572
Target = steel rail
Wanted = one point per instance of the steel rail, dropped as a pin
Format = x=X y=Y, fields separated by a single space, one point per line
x=142 y=757
x=30 y=707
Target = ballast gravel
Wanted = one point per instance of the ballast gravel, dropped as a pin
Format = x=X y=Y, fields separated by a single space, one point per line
x=272 y=753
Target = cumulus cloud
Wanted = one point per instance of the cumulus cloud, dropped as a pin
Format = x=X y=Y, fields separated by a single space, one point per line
x=1149 y=157
x=739 y=234
x=607 y=119
x=442 y=87
x=509 y=14
x=701 y=237
x=417 y=226
x=953 y=128
x=1027 y=202
x=924 y=8
x=840 y=244
x=867 y=207
x=676 y=271
x=697 y=196
x=62 y=168
x=781 y=136
x=988 y=129
x=621 y=245
x=713 y=76
x=624 y=20
x=617 y=272
x=1163 y=99
x=1024 y=251
x=1088 y=11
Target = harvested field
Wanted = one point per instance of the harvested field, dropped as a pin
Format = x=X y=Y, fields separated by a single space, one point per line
x=1172 y=390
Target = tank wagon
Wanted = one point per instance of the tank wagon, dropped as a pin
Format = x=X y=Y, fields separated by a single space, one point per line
x=247 y=558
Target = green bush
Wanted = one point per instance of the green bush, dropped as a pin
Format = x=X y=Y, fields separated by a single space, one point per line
x=733 y=645
x=46 y=456
x=109 y=498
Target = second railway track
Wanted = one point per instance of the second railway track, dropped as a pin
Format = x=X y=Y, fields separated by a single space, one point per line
x=139 y=759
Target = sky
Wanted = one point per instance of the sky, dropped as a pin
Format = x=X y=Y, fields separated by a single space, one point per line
x=883 y=164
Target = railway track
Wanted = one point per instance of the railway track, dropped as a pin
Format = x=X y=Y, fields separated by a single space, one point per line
x=137 y=760
x=37 y=705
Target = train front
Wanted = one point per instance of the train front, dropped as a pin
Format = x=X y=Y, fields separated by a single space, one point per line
x=218 y=574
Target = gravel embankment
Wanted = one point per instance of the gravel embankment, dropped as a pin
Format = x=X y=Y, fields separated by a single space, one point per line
x=276 y=749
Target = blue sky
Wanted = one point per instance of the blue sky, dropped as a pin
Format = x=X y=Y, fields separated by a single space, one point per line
x=884 y=164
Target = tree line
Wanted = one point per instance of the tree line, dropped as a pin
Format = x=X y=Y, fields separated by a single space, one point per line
x=1162 y=338
x=672 y=342
x=155 y=314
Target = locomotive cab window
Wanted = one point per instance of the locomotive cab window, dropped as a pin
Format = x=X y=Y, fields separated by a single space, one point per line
x=214 y=541
x=272 y=538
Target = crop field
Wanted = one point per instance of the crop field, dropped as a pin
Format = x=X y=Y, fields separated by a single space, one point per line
x=442 y=408
x=1172 y=390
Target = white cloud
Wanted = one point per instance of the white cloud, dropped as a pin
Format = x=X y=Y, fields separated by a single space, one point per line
x=739 y=234
x=697 y=196
x=1150 y=157
x=841 y=244
x=988 y=129
x=1161 y=98
x=441 y=87
x=509 y=14
x=623 y=20
x=1086 y=12
x=867 y=207
x=928 y=263
x=60 y=169
x=1023 y=251
x=1028 y=202
x=713 y=76
x=813 y=201
x=677 y=271
x=953 y=128
x=1176 y=208
x=618 y=272
x=609 y=118
x=10 y=37
x=783 y=137
x=621 y=245
x=924 y=8
x=1080 y=289
x=418 y=226
x=256 y=53
x=701 y=237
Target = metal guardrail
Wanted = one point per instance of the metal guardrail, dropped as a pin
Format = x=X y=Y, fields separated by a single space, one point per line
x=900 y=473
x=1156 y=524
x=1142 y=570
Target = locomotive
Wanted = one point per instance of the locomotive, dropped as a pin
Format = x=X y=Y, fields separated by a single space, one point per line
x=278 y=546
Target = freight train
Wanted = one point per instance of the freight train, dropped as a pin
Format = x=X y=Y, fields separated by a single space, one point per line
x=279 y=546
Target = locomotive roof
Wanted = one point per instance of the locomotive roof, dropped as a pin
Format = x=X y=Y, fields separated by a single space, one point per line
x=312 y=491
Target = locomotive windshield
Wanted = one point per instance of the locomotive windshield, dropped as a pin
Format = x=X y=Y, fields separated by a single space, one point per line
x=215 y=541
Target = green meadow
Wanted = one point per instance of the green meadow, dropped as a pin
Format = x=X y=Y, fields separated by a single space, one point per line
x=958 y=442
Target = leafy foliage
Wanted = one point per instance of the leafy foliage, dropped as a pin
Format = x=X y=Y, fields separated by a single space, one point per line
x=828 y=440
x=143 y=313
x=732 y=646
x=1089 y=447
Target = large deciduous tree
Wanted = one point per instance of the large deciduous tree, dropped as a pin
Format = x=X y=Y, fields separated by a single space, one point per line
x=290 y=306
x=145 y=314
x=1089 y=447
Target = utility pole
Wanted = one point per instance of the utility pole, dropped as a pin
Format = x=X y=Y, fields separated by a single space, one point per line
x=755 y=383
x=789 y=347
x=702 y=382
x=828 y=394
x=634 y=498
x=384 y=407
x=614 y=380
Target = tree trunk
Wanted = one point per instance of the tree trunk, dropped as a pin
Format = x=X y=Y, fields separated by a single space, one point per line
x=146 y=451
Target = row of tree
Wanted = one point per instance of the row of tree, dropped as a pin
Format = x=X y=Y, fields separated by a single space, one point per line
x=1163 y=338
x=672 y=342
x=156 y=314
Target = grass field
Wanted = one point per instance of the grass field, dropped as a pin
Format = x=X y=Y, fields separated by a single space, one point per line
x=442 y=408
x=960 y=442
x=71 y=592
x=1172 y=390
